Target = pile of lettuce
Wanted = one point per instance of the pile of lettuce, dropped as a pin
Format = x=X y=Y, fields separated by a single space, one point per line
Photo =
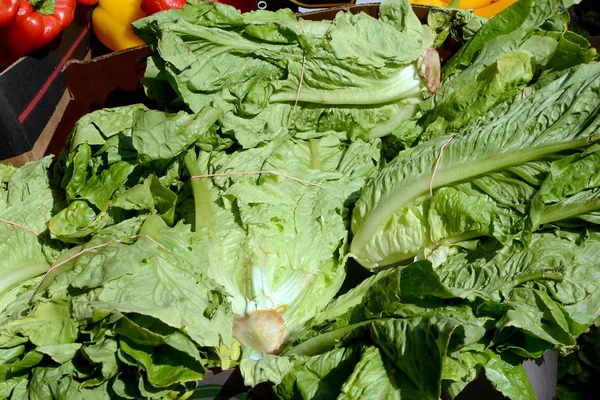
x=104 y=319
x=229 y=227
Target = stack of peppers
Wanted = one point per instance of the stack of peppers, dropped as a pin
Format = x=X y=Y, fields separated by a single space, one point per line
x=27 y=25
x=111 y=19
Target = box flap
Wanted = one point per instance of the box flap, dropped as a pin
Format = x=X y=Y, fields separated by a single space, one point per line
x=111 y=80
x=97 y=81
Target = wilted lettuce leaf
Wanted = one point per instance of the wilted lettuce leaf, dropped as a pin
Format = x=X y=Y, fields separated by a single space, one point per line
x=458 y=24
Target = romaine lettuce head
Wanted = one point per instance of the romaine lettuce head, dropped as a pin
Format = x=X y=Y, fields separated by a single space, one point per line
x=426 y=330
x=484 y=181
x=272 y=228
x=274 y=73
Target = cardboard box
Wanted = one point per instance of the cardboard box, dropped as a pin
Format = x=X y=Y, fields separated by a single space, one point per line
x=114 y=80
x=33 y=93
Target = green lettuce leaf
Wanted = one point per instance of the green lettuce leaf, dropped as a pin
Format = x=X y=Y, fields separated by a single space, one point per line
x=122 y=307
x=27 y=202
x=125 y=162
x=480 y=311
x=523 y=16
x=513 y=53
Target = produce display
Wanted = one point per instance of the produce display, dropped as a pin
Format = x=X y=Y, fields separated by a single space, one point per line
x=325 y=205
x=29 y=25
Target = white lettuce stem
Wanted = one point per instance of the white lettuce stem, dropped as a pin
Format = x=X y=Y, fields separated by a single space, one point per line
x=405 y=84
x=201 y=192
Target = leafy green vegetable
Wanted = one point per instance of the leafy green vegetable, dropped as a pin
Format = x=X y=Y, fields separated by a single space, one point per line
x=217 y=234
x=27 y=203
x=579 y=370
x=115 y=308
x=460 y=25
x=274 y=203
x=395 y=218
x=508 y=61
x=479 y=311
x=368 y=72
x=120 y=164
x=521 y=18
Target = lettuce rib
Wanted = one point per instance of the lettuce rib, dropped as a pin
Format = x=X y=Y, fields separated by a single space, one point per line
x=404 y=85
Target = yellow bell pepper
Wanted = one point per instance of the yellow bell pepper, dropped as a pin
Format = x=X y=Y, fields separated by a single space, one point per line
x=111 y=22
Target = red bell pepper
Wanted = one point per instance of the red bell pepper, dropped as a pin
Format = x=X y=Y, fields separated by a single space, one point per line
x=153 y=6
x=36 y=23
x=8 y=9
